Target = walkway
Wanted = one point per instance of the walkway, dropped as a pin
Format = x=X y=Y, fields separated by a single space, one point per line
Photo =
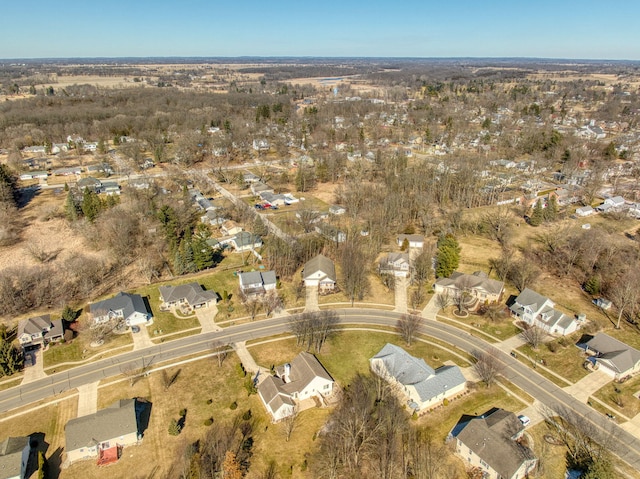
x=509 y=344
x=401 y=294
x=88 y=399
x=141 y=339
x=36 y=370
x=246 y=359
x=311 y=299
x=588 y=385
x=431 y=309
x=206 y=317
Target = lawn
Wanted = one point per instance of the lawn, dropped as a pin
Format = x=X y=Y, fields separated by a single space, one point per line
x=80 y=349
x=377 y=294
x=622 y=396
x=566 y=361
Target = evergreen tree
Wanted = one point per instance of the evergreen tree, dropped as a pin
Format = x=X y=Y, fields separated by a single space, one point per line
x=551 y=211
x=71 y=207
x=537 y=216
x=8 y=188
x=203 y=255
x=448 y=256
x=11 y=359
x=91 y=205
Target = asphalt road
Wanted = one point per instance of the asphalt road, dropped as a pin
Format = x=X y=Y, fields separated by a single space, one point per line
x=623 y=444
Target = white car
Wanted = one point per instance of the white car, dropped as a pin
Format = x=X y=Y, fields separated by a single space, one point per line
x=524 y=420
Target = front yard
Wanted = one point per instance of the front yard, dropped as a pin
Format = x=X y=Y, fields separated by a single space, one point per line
x=622 y=397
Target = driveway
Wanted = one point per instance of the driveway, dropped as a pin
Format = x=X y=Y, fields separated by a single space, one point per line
x=88 y=398
x=588 y=385
x=36 y=370
x=311 y=298
x=141 y=339
x=401 y=294
x=206 y=317
x=509 y=344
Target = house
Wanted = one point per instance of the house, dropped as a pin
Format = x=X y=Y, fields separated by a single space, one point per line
x=72 y=170
x=415 y=241
x=321 y=272
x=34 y=175
x=303 y=378
x=250 y=178
x=257 y=282
x=260 y=187
x=230 y=227
x=477 y=285
x=243 y=241
x=260 y=145
x=491 y=442
x=537 y=310
x=397 y=264
x=615 y=203
x=59 y=147
x=107 y=431
x=613 y=357
x=90 y=183
x=273 y=199
x=585 y=211
x=337 y=210
x=191 y=295
x=424 y=386
x=210 y=217
x=129 y=307
x=331 y=232
x=39 y=330
x=16 y=458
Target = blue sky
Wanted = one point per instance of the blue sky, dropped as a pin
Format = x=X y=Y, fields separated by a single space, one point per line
x=456 y=28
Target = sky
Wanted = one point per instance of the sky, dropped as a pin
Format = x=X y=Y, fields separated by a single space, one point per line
x=569 y=29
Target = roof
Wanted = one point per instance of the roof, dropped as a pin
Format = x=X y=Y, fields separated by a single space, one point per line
x=11 y=456
x=411 y=238
x=619 y=355
x=477 y=280
x=34 y=325
x=530 y=298
x=270 y=390
x=320 y=263
x=255 y=277
x=244 y=238
x=125 y=302
x=193 y=293
x=491 y=437
x=117 y=420
x=409 y=370
x=305 y=367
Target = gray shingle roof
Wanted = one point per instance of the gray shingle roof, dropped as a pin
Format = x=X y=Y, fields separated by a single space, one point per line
x=117 y=420
x=320 y=263
x=192 y=293
x=530 y=298
x=490 y=437
x=125 y=302
x=305 y=367
x=11 y=456
x=620 y=356
x=476 y=280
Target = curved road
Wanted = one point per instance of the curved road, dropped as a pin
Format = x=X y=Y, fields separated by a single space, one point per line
x=623 y=444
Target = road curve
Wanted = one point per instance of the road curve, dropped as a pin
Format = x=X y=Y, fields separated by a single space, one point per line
x=623 y=444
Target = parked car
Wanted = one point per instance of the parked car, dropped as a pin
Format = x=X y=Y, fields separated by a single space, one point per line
x=524 y=420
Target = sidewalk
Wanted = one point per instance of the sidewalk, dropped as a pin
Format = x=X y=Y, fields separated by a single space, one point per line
x=509 y=344
x=401 y=294
x=36 y=371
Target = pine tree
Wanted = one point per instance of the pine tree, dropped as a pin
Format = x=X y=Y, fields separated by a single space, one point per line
x=537 y=216
x=70 y=207
x=91 y=205
x=551 y=211
x=448 y=256
x=11 y=359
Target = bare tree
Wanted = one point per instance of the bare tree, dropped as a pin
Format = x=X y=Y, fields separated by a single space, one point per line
x=625 y=293
x=523 y=273
x=169 y=380
x=289 y=423
x=408 y=326
x=251 y=302
x=271 y=302
x=487 y=366
x=426 y=455
x=221 y=350
x=313 y=328
x=444 y=299
x=307 y=218
x=533 y=335
x=354 y=270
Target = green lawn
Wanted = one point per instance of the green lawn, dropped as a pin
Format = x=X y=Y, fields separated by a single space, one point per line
x=79 y=349
x=566 y=361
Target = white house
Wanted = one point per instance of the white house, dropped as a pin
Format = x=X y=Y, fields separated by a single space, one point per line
x=39 y=330
x=130 y=307
x=585 y=211
x=613 y=357
x=415 y=241
x=293 y=383
x=257 y=282
x=321 y=272
x=424 y=386
x=397 y=264
x=477 y=285
x=537 y=310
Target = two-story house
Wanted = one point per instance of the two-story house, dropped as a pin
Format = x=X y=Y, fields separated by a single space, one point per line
x=537 y=310
x=254 y=283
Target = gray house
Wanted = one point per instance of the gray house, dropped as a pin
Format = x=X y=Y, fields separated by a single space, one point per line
x=491 y=443
x=15 y=453
x=397 y=264
x=424 y=386
x=130 y=307
x=39 y=330
x=257 y=282
x=321 y=272
x=614 y=357
x=190 y=295
x=477 y=285
x=537 y=310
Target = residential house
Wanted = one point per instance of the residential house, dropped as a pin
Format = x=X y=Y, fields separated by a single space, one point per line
x=634 y=210
x=585 y=211
x=254 y=283
x=107 y=431
x=230 y=227
x=90 y=183
x=35 y=149
x=293 y=383
x=16 y=458
x=191 y=295
x=211 y=217
x=537 y=310
x=414 y=241
x=250 y=178
x=320 y=271
x=260 y=145
x=59 y=147
x=423 y=386
x=615 y=203
x=243 y=241
x=613 y=357
x=491 y=442
x=331 y=232
x=260 y=187
x=477 y=285
x=34 y=175
x=397 y=264
x=272 y=198
x=129 y=307
x=39 y=330
x=72 y=170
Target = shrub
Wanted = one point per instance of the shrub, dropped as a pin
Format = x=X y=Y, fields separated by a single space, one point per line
x=183 y=412
x=209 y=401
x=552 y=346
x=174 y=428
x=247 y=415
x=445 y=402
x=208 y=422
x=234 y=406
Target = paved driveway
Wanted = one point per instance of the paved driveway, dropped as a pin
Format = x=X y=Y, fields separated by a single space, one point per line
x=206 y=317
x=141 y=339
x=36 y=370
x=311 y=298
x=401 y=294
x=588 y=385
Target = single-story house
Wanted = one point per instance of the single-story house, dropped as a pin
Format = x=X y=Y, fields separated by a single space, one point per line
x=211 y=217
x=191 y=294
x=72 y=170
x=303 y=378
x=614 y=357
x=230 y=228
x=415 y=241
x=477 y=285
x=491 y=442
x=34 y=175
x=397 y=264
x=257 y=282
x=260 y=187
x=130 y=307
x=273 y=199
x=39 y=330
x=15 y=458
x=537 y=310
x=424 y=386
x=615 y=203
x=320 y=271
x=250 y=178
x=90 y=183
x=585 y=211
x=243 y=241
x=121 y=424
